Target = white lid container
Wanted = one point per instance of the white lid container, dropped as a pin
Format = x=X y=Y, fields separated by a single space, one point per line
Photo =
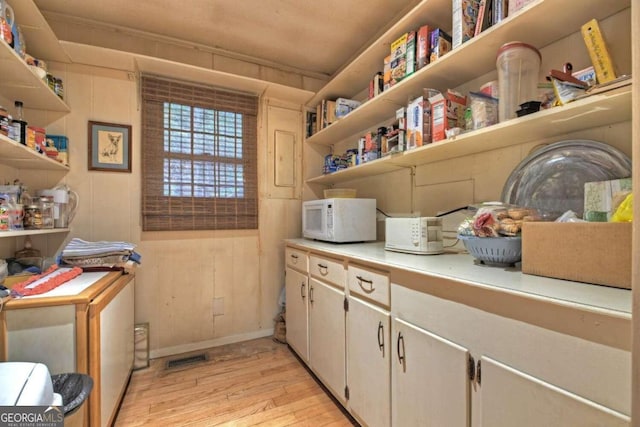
x=518 y=67
x=26 y=384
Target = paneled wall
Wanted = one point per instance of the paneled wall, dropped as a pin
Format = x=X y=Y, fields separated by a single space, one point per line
x=182 y=272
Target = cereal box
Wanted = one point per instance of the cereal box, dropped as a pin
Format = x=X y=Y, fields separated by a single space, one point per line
x=447 y=111
x=415 y=115
x=403 y=57
x=423 y=46
x=465 y=15
x=386 y=73
x=440 y=44
x=515 y=5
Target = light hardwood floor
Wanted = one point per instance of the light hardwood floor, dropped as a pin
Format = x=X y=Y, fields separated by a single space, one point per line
x=258 y=382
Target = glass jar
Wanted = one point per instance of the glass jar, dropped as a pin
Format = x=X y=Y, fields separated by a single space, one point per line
x=58 y=88
x=46 y=210
x=32 y=217
x=518 y=67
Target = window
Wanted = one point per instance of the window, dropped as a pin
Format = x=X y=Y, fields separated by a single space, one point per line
x=199 y=157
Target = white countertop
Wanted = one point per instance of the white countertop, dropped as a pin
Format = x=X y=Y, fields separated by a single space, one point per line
x=462 y=267
x=73 y=286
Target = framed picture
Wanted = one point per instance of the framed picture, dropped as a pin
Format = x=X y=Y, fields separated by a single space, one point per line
x=109 y=147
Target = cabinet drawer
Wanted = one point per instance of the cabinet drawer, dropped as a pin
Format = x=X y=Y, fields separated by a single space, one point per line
x=328 y=270
x=296 y=258
x=369 y=283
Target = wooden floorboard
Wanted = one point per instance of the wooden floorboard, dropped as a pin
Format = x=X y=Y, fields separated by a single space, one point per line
x=255 y=383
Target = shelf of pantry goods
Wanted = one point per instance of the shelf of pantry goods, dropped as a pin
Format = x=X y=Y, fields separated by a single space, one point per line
x=593 y=111
x=41 y=41
x=539 y=23
x=20 y=156
x=18 y=82
x=16 y=233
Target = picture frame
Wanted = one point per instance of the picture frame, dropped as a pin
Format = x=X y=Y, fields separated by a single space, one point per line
x=109 y=147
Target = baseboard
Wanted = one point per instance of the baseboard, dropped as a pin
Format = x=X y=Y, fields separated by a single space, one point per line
x=185 y=348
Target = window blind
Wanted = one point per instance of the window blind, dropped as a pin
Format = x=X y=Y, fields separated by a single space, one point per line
x=199 y=157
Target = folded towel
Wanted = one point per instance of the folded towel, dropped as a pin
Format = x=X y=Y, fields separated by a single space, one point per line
x=78 y=247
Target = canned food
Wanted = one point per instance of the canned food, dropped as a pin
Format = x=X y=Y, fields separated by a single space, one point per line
x=4 y=121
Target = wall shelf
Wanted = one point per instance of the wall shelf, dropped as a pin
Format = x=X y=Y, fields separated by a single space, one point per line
x=20 y=83
x=597 y=110
x=17 y=233
x=41 y=41
x=20 y=156
x=538 y=24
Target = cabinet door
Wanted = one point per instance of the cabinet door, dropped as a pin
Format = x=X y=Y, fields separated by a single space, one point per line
x=430 y=385
x=296 y=288
x=368 y=368
x=327 y=336
x=512 y=398
x=111 y=323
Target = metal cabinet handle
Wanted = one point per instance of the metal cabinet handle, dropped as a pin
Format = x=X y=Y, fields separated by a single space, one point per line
x=311 y=294
x=400 y=349
x=479 y=372
x=362 y=280
x=324 y=269
x=471 y=363
x=295 y=258
x=302 y=288
x=381 y=336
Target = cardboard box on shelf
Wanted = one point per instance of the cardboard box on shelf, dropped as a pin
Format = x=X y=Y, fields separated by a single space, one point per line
x=447 y=111
x=440 y=44
x=386 y=73
x=423 y=46
x=465 y=14
x=403 y=57
x=415 y=116
x=516 y=5
x=598 y=253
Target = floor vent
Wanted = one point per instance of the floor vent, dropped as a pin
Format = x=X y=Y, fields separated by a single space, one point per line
x=196 y=358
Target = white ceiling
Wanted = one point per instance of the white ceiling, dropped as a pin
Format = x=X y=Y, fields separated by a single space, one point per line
x=316 y=36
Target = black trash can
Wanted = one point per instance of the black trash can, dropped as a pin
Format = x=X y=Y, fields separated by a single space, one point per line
x=74 y=389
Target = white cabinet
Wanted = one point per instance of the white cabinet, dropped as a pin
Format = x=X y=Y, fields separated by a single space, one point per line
x=513 y=398
x=368 y=345
x=430 y=383
x=523 y=375
x=427 y=349
x=369 y=351
x=296 y=288
x=327 y=336
x=314 y=287
x=328 y=270
x=111 y=323
x=86 y=328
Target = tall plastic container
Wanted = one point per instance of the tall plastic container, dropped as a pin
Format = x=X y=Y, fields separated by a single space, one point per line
x=518 y=67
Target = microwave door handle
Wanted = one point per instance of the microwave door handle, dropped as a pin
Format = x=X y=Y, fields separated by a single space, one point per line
x=362 y=280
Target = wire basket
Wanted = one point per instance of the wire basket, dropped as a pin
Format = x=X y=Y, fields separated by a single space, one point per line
x=496 y=251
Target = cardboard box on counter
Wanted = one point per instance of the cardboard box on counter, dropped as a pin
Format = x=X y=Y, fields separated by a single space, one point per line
x=598 y=252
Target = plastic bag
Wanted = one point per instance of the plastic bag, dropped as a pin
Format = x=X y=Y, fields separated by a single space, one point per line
x=624 y=213
x=496 y=220
x=569 y=216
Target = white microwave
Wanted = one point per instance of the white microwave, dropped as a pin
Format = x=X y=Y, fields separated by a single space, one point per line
x=339 y=220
